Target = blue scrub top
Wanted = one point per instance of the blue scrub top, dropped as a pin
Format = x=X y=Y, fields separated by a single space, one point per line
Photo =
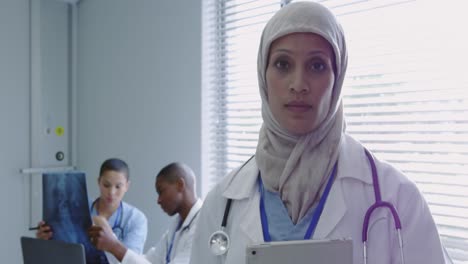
x=280 y=224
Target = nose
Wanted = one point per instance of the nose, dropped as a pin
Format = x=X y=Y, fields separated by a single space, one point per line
x=299 y=82
x=159 y=200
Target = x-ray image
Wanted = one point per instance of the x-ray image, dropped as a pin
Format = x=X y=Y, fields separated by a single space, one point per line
x=66 y=210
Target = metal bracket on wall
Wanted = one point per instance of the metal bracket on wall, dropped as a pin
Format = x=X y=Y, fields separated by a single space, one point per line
x=46 y=170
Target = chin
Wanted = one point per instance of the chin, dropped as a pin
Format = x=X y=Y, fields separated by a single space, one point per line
x=299 y=127
x=301 y=131
x=171 y=213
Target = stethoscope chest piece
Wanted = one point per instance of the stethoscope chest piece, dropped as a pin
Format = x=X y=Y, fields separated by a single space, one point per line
x=219 y=242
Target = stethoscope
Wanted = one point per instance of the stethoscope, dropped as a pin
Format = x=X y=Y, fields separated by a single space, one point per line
x=219 y=241
x=117 y=227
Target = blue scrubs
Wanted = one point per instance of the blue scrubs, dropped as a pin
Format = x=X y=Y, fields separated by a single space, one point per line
x=280 y=224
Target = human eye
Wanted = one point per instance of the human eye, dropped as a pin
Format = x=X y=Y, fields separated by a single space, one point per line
x=159 y=190
x=282 y=64
x=317 y=66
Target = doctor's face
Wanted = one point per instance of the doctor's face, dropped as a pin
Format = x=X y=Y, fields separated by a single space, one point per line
x=113 y=185
x=170 y=195
x=300 y=79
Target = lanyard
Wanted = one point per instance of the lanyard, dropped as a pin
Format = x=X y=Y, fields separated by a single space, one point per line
x=315 y=217
x=171 y=245
x=169 y=249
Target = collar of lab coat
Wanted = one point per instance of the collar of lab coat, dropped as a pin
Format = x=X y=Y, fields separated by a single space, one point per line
x=352 y=163
x=237 y=188
x=192 y=214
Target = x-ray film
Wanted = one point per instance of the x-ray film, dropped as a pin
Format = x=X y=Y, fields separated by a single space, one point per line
x=66 y=210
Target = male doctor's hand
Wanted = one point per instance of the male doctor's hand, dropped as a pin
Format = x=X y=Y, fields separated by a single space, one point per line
x=103 y=238
x=101 y=235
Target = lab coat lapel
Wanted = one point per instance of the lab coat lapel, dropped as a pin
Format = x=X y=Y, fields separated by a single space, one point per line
x=250 y=222
x=334 y=210
x=243 y=189
x=335 y=206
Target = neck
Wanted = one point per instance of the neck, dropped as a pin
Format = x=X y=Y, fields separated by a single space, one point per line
x=104 y=209
x=187 y=206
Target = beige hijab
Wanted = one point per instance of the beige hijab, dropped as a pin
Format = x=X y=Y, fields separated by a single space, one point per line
x=294 y=166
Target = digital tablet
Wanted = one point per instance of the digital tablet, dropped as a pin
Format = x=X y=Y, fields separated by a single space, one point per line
x=336 y=251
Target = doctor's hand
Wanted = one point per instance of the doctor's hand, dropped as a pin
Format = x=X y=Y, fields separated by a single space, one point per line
x=103 y=238
x=44 y=231
x=101 y=235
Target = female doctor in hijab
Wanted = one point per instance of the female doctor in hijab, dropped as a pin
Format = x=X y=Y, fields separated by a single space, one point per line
x=302 y=149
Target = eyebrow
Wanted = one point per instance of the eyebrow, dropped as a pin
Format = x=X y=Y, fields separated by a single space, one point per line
x=108 y=182
x=314 y=52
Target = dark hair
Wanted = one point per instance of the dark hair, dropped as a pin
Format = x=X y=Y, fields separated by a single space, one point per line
x=115 y=164
x=170 y=173
x=175 y=171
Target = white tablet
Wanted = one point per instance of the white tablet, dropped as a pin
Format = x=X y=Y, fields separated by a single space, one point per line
x=339 y=251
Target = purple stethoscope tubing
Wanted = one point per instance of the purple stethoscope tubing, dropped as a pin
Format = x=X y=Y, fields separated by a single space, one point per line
x=379 y=204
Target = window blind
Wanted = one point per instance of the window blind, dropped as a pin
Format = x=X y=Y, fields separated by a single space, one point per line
x=230 y=96
x=405 y=95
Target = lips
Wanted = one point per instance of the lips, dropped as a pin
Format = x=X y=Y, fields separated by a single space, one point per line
x=298 y=106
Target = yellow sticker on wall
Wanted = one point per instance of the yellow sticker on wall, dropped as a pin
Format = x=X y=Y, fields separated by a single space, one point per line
x=59 y=131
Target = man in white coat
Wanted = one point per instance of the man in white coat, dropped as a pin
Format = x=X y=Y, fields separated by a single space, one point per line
x=175 y=185
x=302 y=149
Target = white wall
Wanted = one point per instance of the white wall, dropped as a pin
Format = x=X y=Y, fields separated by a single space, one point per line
x=14 y=132
x=139 y=92
x=15 y=98
x=138 y=99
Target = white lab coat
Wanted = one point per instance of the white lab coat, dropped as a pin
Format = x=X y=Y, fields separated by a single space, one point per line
x=351 y=195
x=182 y=244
